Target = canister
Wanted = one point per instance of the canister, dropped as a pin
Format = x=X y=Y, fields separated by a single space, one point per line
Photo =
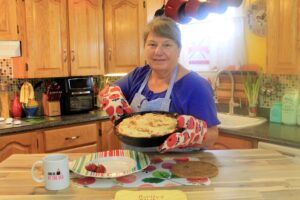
x=289 y=106
x=276 y=112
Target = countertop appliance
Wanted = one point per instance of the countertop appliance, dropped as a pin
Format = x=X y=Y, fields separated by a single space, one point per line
x=77 y=94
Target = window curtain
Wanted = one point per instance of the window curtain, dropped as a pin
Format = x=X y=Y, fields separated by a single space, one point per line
x=215 y=42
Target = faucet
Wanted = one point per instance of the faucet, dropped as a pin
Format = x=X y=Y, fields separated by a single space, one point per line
x=232 y=104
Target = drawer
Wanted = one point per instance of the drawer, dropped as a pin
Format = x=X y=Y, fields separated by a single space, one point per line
x=90 y=148
x=70 y=137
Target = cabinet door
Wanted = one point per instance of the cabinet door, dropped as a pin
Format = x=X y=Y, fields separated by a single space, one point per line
x=283 y=39
x=46 y=37
x=86 y=37
x=109 y=140
x=124 y=24
x=8 y=20
x=18 y=143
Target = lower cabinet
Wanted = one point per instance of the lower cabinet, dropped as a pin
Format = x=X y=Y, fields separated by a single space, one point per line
x=228 y=141
x=76 y=138
x=65 y=139
x=108 y=138
x=22 y=143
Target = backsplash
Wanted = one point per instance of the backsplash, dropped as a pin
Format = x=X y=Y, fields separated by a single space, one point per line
x=273 y=91
x=14 y=85
x=281 y=83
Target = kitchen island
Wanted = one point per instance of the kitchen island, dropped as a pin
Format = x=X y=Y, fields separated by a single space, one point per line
x=243 y=174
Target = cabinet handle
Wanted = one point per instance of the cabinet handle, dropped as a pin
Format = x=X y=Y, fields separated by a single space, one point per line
x=73 y=55
x=72 y=138
x=109 y=54
x=65 y=55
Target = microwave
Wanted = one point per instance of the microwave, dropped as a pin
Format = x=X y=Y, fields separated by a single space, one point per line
x=77 y=95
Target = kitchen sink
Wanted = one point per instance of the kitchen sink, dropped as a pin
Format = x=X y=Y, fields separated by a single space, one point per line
x=234 y=121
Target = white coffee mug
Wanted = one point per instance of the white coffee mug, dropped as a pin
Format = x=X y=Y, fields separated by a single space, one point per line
x=56 y=171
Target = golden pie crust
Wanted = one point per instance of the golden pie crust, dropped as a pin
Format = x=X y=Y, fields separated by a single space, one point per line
x=147 y=125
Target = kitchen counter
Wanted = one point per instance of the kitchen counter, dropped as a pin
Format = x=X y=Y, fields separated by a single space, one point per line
x=29 y=124
x=243 y=174
x=268 y=132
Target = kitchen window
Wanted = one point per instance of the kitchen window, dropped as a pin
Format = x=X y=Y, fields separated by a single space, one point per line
x=215 y=42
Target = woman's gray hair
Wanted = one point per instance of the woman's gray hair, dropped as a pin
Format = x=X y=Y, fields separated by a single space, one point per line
x=164 y=27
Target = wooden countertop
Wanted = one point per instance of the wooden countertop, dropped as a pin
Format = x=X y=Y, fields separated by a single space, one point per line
x=243 y=174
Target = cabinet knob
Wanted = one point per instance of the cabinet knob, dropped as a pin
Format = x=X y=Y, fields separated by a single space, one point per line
x=65 y=55
x=109 y=54
x=73 y=55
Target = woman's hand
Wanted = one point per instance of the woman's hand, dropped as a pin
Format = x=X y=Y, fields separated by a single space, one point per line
x=113 y=102
x=194 y=133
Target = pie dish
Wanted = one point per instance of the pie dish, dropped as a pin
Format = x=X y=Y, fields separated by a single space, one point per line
x=146 y=129
x=147 y=125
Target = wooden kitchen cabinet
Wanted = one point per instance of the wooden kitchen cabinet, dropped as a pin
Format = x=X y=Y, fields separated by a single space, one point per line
x=71 y=139
x=18 y=143
x=8 y=20
x=79 y=138
x=86 y=37
x=283 y=37
x=60 y=38
x=109 y=140
x=124 y=26
x=227 y=141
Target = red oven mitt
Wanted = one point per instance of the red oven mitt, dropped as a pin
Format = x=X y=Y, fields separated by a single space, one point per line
x=113 y=102
x=194 y=133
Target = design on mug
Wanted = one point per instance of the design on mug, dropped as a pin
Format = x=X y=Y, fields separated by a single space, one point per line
x=55 y=175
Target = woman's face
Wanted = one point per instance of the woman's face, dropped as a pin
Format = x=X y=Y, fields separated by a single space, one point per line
x=161 y=53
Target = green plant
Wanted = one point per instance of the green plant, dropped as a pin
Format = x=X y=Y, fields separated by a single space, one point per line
x=252 y=84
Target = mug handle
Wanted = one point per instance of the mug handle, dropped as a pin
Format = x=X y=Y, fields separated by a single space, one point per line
x=39 y=180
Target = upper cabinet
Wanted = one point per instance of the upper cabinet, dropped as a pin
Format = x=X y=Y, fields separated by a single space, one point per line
x=86 y=37
x=8 y=20
x=283 y=39
x=43 y=29
x=49 y=48
x=124 y=25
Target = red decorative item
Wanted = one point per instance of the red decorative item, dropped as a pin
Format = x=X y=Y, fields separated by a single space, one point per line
x=175 y=10
x=15 y=107
x=196 y=9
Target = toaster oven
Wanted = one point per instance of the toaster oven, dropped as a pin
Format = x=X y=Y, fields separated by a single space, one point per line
x=77 y=95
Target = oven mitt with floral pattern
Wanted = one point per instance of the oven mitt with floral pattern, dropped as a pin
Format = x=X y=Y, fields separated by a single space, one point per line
x=113 y=102
x=194 y=133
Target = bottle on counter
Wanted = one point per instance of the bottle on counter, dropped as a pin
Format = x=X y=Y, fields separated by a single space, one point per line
x=4 y=101
x=276 y=112
x=289 y=107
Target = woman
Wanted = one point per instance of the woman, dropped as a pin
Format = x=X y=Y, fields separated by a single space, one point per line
x=164 y=85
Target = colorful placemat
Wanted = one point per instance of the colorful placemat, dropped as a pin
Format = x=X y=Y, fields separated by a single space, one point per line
x=157 y=174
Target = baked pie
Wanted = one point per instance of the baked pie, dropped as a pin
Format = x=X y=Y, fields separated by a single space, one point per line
x=147 y=125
